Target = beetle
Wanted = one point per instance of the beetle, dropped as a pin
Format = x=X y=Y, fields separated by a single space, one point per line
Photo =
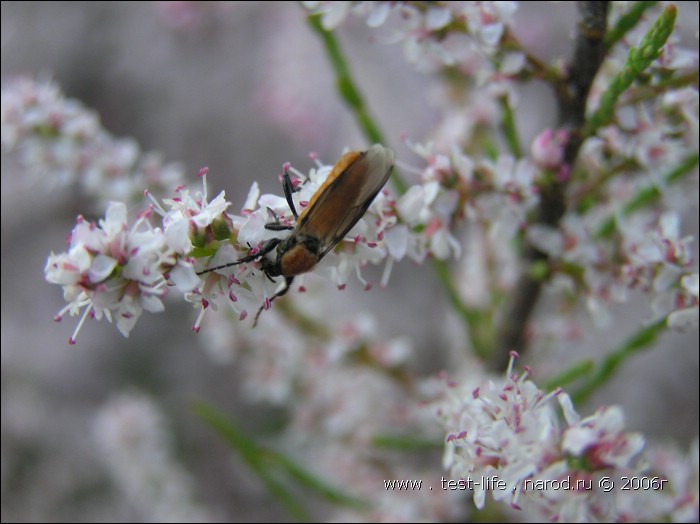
x=333 y=210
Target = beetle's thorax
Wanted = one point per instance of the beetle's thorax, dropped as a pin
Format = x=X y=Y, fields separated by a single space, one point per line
x=296 y=255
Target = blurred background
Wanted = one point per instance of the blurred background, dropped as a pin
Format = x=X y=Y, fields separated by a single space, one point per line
x=241 y=88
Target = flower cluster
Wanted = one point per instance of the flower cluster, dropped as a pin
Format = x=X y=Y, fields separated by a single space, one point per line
x=511 y=433
x=113 y=269
x=136 y=447
x=345 y=387
x=594 y=212
x=632 y=238
x=432 y=34
x=60 y=142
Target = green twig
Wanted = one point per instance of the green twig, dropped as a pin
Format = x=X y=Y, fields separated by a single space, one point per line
x=642 y=93
x=627 y=22
x=572 y=94
x=349 y=91
x=638 y=60
x=510 y=130
x=607 y=368
x=270 y=465
x=648 y=195
x=576 y=372
x=255 y=457
x=537 y=67
x=314 y=484
x=478 y=325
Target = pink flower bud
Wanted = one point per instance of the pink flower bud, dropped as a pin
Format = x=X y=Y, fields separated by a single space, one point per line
x=548 y=148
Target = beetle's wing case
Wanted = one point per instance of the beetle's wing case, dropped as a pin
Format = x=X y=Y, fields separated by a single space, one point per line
x=345 y=195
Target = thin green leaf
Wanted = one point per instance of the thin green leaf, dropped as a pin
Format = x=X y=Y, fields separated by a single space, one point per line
x=270 y=464
x=255 y=457
x=638 y=60
x=649 y=195
x=349 y=92
x=510 y=130
x=576 y=372
x=627 y=22
x=610 y=364
x=318 y=486
x=479 y=323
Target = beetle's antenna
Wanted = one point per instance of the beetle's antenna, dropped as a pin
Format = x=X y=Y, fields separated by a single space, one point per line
x=210 y=269
x=267 y=246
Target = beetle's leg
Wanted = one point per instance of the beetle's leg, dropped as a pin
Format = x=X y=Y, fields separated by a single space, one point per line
x=275 y=225
x=267 y=246
x=283 y=291
x=288 y=190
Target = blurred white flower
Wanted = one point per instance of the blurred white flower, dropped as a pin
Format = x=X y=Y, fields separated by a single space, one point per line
x=137 y=449
x=60 y=142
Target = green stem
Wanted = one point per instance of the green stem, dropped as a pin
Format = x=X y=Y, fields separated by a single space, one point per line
x=638 y=60
x=349 y=91
x=576 y=372
x=254 y=457
x=538 y=68
x=269 y=465
x=572 y=95
x=648 y=195
x=627 y=22
x=642 y=93
x=607 y=368
x=478 y=323
x=510 y=130
x=314 y=484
